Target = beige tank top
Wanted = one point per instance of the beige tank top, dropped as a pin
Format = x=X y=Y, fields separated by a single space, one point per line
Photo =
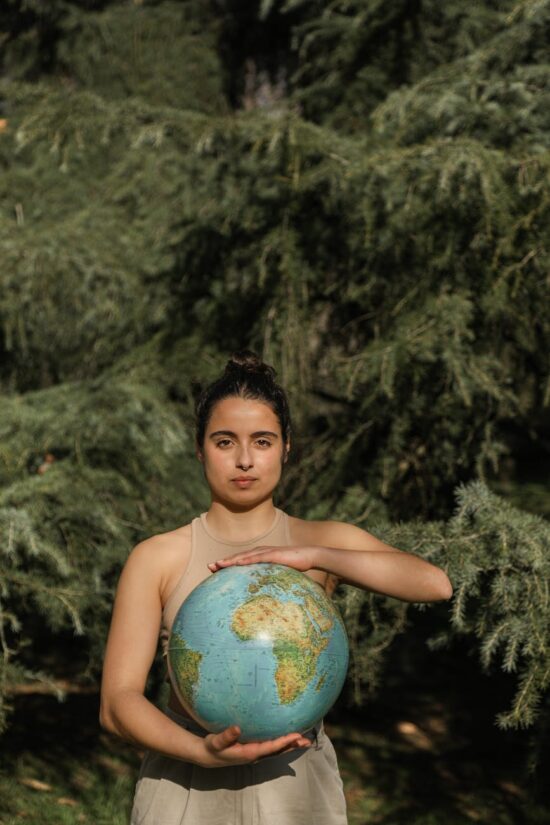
x=205 y=548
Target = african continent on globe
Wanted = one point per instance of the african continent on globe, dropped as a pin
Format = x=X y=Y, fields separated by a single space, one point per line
x=261 y=646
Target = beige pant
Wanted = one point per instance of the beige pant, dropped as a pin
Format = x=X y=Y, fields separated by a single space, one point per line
x=302 y=787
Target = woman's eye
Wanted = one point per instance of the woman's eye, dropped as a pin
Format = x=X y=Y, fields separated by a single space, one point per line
x=262 y=441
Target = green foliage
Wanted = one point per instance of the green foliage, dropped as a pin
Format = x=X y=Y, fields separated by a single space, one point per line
x=81 y=248
x=161 y=54
x=351 y=55
x=507 y=584
x=498 y=559
x=498 y=94
x=87 y=470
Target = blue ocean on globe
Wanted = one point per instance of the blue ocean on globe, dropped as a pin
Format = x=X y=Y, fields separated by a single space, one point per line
x=261 y=646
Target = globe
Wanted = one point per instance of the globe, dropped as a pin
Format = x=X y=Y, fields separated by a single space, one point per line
x=261 y=646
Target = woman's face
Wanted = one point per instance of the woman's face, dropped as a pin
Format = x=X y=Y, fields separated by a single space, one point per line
x=242 y=438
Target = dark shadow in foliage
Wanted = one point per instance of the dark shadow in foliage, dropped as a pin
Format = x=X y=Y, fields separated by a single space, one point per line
x=427 y=745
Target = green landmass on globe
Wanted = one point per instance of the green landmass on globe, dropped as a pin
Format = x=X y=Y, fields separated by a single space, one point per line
x=187 y=662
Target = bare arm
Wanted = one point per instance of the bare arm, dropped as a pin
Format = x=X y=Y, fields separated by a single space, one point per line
x=382 y=569
x=130 y=651
x=356 y=557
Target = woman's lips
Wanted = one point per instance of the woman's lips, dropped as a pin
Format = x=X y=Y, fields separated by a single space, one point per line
x=243 y=482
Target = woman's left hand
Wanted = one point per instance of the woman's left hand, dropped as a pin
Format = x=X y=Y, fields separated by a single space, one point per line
x=301 y=558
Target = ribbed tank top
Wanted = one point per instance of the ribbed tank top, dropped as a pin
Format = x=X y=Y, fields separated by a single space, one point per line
x=205 y=548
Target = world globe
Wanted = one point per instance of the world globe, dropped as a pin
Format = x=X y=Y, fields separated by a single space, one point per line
x=261 y=646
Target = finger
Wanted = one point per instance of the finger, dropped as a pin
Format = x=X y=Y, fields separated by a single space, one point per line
x=226 y=738
x=254 y=552
x=237 y=560
x=300 y=743
x=214 y=566
x=252 y=559
x=276 y=745
x=295 y=747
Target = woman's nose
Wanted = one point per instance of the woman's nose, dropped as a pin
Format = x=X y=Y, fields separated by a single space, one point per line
x=244 y=458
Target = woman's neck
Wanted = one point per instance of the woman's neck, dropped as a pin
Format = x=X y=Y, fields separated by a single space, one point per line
x=240 y=524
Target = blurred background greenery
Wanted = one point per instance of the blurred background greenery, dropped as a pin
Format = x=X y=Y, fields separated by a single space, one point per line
x=358 y=191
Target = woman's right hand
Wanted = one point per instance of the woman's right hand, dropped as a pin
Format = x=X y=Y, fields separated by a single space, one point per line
x=223 y=749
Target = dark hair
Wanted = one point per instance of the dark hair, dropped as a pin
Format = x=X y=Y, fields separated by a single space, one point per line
x=245 y=376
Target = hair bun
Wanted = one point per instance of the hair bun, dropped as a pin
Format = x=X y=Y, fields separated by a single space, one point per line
x=245 y=360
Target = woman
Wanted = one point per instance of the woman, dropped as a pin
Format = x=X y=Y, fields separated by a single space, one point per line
x=189 y=776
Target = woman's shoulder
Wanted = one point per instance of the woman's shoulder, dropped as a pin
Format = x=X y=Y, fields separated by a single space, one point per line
x=159 y=558
x=161 y=549
x=322 y=531
x=337 y=534
x=168 y=537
